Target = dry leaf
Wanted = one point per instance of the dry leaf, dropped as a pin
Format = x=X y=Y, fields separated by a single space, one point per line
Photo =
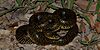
x=83 y=4
x=98 y=47
x=97 y=26
x=83 y=26
x=86 y=38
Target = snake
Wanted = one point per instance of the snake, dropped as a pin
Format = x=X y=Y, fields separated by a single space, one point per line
x=44 y=28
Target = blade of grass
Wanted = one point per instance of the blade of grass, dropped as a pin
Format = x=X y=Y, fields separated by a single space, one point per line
x=89 y=5
x=19 y=2
x=94 y=38
x=83 y=42
x=82 y=15
x=98 y=6
x=63 y=3
x=50 y=1
x=86 y=18
x=97 y=10
x=70 y=4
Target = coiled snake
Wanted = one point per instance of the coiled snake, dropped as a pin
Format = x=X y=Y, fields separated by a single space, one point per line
x=58 y=28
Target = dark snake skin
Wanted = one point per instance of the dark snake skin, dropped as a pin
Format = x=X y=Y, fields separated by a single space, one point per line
x=58 y=28
x=22 y=35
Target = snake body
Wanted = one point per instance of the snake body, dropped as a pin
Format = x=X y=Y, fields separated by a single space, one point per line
x=58 y=28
